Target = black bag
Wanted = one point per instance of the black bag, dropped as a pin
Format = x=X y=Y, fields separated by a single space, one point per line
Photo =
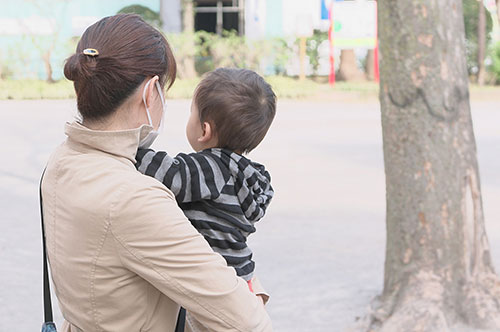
x=49 y=325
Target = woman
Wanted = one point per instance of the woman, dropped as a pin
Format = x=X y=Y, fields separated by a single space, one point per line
x=122 y=254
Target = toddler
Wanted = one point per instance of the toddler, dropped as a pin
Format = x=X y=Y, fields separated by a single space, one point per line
x=221 y=191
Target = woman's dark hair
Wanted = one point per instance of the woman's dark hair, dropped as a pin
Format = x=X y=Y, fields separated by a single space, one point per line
x=240 y=105
x=130 y=50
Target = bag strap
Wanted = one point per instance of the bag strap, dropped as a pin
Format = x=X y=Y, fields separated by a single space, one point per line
x=181 y=320
x=47 y=301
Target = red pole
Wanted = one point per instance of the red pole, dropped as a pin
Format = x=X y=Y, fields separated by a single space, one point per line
x=331 y=77
x=375 y=52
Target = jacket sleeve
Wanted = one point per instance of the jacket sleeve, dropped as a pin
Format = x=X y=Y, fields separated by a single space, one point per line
x=191 y=177
x=155 y=240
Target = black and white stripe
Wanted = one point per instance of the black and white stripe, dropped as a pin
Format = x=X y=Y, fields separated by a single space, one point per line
x=221 y=192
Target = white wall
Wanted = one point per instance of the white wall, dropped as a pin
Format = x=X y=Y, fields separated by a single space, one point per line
x=255 y=19
x=301 y=17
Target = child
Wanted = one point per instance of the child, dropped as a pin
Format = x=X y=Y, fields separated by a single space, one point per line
x=220 y=191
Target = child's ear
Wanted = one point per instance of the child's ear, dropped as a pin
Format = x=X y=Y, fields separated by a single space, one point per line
x=207 y=133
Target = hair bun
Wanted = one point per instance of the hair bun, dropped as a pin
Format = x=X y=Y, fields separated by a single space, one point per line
x=113 y=57
x=79 y=66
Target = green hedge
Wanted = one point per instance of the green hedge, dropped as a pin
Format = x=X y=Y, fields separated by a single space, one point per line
x=284 y=87
x=35 y=89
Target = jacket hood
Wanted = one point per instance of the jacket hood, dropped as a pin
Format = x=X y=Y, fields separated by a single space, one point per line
x=252 y=183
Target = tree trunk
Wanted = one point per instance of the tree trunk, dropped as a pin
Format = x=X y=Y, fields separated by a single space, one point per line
x=348 y=69
x=48 y=66
x=438 y=269
x=187 y=16
x=369 y=65
x=188 y=64
x=498 y=11
x=481 y=43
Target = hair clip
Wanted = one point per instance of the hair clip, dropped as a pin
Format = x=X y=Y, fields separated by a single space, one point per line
x=91 y=52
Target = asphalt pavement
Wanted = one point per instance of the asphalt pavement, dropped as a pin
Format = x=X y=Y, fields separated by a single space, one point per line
x=319 y=250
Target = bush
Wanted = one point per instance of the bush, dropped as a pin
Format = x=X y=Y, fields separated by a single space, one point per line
x=312 y=49
x=494 y=67
x=281 y=52
x=210 y=51
x=6 y=70
x=471 y=21
x=184 y=48
x=230 y=50
x=147 y=14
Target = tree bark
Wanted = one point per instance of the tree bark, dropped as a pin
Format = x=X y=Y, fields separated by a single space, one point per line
x=187 y=16
x=369 y=65
x=481 y=43
x=438 y=269
x=498 y=10
x=348 y=69
x=48 y=66
x=188 y=64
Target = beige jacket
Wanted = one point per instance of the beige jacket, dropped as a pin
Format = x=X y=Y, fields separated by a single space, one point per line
x=123 y=256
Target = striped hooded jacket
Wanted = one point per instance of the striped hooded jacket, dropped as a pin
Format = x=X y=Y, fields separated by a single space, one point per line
x=221 y=192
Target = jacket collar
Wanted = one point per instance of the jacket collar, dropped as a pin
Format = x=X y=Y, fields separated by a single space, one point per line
x=121 y=143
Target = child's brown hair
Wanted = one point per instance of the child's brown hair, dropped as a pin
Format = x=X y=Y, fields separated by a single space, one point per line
x=240 y=106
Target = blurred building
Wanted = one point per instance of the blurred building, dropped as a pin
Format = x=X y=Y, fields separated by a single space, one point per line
x=252 y=18
x=37 y=33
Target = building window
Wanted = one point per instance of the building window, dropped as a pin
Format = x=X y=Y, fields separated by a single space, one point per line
x=218 y=15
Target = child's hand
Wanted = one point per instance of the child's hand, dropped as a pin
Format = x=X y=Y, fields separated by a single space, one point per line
x=263 y=298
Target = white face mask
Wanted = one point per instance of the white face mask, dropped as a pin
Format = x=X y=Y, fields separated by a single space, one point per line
x=153 y=134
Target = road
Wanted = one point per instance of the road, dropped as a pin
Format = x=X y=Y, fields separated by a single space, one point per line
x=319 y=250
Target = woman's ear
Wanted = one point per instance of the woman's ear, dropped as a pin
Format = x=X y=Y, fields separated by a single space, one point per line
x=150 y=91
x=208 y=134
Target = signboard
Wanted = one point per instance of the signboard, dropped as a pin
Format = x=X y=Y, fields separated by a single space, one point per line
x=354 y=24
x=325 y=7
